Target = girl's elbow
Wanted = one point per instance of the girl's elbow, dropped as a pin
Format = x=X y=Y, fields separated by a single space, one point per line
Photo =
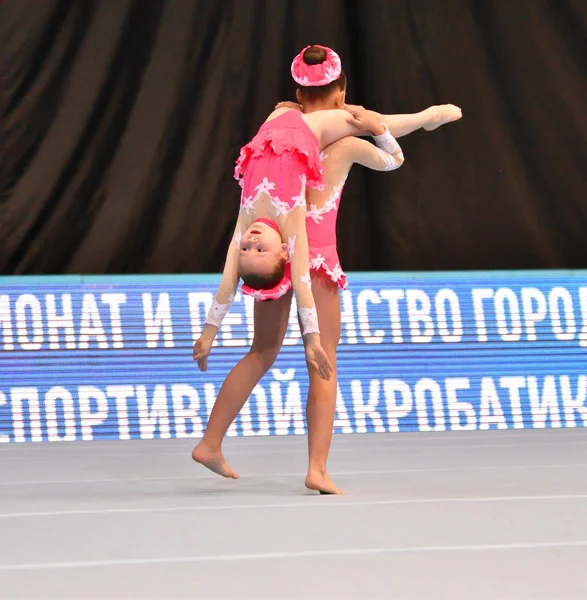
x=395 y=163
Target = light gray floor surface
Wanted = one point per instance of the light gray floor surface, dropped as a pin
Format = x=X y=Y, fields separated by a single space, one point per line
x=467 y=515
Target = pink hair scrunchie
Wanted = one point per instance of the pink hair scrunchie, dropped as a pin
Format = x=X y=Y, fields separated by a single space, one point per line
x=316 y=75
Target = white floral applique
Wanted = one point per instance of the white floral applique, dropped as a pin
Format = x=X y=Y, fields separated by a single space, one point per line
x=218 y=311
x=291 y=244
x=330 y=204
x=299 y=201
x=323 y=155
x=316 y=213
x=248 y=203
x=257 y=294
x=309 y=319
x=336 y=273
x=281 y=207
x=307 y=279
x=282 y=290
x=265 y=187
x=318 y=262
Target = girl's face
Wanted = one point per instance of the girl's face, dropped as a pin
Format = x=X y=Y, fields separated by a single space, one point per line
x=261 y=247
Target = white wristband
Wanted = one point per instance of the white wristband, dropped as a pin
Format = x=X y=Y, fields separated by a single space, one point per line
x=218 y=311
x=309 y=319
x=386 y=141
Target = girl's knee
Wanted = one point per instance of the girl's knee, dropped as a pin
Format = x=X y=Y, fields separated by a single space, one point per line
x=266 y=356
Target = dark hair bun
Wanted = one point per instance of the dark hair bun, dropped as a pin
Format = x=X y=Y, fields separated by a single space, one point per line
x=314 y=55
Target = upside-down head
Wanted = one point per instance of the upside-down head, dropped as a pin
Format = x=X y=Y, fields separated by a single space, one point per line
x=262 y=257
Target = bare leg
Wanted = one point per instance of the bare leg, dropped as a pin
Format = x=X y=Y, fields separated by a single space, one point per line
x=321 y=406
x=271 y=320
x=332 y=125
x=428 y=119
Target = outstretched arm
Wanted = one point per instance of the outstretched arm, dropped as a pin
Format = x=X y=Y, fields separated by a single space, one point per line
x=387 y=147
x=387 y=155
x=222 y=300
x=294 y=232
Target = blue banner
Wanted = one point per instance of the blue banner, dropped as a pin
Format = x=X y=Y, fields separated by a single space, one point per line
x=88 y=358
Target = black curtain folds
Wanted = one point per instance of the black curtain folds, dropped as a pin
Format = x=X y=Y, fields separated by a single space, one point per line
x=120 y=122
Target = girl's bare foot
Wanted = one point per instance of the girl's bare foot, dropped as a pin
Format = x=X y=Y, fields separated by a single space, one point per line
x=213 y=460
x=321 y=482
x=442 y=114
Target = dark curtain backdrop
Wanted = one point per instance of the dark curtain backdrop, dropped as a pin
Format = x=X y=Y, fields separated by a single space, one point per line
x=120 y=121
